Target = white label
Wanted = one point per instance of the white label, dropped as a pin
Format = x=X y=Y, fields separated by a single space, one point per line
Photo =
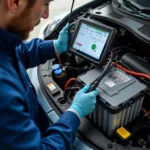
x=110 y=83
x=51 y=86
x=123 y=76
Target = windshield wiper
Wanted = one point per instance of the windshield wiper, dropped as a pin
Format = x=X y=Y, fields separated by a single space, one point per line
x=137 y=6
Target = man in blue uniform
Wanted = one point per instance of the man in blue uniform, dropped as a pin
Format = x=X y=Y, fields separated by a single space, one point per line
x=22 y=124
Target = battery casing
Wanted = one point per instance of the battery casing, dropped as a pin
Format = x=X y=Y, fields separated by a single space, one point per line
x=120 y=99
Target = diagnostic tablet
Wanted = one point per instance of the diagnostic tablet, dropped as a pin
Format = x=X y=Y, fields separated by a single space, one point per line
x=92 y=40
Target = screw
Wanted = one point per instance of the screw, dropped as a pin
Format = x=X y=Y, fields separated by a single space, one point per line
x=110 y=146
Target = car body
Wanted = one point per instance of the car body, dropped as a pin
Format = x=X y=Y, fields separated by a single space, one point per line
x=133 y=42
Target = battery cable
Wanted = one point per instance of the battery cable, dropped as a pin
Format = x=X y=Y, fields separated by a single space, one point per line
x=132 y=72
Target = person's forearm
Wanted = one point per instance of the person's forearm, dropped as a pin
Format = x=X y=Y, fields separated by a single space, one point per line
x=36 y=52
x=64 y=130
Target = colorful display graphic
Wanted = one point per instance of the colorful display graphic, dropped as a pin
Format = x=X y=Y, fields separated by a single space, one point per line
x=91 y=40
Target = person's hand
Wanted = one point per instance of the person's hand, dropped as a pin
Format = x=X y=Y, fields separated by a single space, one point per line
x=61 y=44
x=84 y=103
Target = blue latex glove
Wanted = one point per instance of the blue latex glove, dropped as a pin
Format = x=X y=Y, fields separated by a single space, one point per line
x=61 y=44
x=84 y=103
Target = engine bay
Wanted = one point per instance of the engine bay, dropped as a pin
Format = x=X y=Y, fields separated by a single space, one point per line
x=121 y=119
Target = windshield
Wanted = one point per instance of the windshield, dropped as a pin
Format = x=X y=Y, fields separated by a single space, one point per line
x=137 y=8
x=143 y=3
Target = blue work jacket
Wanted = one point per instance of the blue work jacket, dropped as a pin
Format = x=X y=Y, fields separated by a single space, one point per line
x=21 y=121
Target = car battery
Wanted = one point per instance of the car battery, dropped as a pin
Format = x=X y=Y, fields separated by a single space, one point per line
x=120 y=99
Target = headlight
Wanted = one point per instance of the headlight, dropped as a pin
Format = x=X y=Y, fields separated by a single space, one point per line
x=50 y=25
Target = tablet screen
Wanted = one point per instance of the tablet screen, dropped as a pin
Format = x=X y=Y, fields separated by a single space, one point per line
x=91 y=40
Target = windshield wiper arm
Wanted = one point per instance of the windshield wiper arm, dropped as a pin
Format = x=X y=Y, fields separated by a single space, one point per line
x=137 y=6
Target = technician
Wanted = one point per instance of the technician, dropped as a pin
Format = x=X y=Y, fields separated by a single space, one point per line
x=23 y=125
